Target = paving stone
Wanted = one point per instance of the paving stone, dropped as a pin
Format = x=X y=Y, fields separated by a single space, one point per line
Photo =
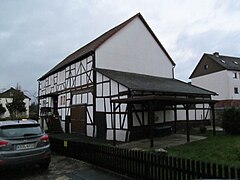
x=61 y=168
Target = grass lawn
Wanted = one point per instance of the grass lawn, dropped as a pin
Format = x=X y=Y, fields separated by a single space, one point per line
x=219 y=149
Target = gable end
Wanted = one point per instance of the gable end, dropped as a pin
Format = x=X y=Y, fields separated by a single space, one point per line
x=93 y=45
x=206 y=65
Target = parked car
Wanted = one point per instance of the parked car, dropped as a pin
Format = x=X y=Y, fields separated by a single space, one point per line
x=23 y=142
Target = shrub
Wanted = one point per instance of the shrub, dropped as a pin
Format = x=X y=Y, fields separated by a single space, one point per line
x=231 y=121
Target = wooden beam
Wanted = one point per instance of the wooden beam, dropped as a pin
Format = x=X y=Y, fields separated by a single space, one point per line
x=175 y=118
x=187 y=122
x=151 y=123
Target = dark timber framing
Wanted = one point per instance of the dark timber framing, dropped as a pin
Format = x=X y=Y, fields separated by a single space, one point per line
x=73 y=85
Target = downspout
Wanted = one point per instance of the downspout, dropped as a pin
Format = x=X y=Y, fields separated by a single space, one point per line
x=173 y=75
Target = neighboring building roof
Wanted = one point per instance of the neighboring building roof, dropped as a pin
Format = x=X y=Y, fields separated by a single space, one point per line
x=228 y=62
x=216 y=62
x=9 y=93
x=93 y=45
x=140 y=82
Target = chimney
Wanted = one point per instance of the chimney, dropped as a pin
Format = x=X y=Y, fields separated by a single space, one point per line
x=216 y=54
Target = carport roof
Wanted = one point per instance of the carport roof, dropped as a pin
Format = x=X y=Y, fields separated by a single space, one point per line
x=141 y=82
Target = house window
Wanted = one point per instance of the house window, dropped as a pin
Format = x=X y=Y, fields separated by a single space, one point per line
x=206 y=66
x=44 y=103
x=236 y=90
x=63 y=100
x=235 y=75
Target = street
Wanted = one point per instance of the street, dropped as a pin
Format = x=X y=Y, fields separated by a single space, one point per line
x=61 y=168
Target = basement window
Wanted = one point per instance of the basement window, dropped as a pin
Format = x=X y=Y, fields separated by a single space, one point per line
x=236 y=90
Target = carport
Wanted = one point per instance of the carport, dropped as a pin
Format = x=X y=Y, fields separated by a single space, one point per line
x=151 y=101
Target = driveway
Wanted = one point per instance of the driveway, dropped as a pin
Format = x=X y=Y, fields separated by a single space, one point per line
x=61 y=168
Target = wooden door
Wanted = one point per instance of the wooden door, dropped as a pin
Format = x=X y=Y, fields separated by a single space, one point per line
x=78 y=119
x=101 y=125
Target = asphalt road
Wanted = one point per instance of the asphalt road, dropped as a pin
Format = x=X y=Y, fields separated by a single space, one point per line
x=61 y=168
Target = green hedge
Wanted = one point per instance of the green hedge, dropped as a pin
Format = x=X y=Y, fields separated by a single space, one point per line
x=231 y=121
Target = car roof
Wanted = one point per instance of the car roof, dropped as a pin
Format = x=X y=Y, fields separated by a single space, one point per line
x=15 y=122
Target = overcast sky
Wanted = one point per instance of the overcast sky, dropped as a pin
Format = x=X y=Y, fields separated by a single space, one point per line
x=35 y=35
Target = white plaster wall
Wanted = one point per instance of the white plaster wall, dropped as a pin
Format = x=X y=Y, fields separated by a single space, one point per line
x=159 y=116
x=133 y=49
x=120 y=135
x=217 y=82
x=233 y=82
x=90 y=131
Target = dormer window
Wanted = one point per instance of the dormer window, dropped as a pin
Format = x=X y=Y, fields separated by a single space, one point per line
x=206 y=66
x=222 y=61
x=235 y=62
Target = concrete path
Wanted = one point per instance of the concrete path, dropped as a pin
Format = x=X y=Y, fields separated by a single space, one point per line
x=161 y=142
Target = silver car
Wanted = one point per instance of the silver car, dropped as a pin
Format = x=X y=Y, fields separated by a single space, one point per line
x=23 y=142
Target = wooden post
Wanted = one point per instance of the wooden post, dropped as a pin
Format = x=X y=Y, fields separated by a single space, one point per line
x=175 y=118
x=164 y=115
x=187 y=122
x=213 y=119
x=114 y=125
x=130 y=120
x=151 y=121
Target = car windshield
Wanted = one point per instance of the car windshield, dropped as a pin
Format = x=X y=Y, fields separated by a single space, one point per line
x=20 y=130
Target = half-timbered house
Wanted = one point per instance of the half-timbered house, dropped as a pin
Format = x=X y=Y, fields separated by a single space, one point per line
x=119 y=86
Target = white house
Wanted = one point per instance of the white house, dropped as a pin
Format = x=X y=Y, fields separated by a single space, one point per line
x=118 y=86
x=7 y=97
x=221 y=74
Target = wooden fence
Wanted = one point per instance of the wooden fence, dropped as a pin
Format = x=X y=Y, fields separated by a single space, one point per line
x=141 y=164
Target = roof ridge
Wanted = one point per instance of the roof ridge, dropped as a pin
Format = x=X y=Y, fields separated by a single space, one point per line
x=227 y=56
